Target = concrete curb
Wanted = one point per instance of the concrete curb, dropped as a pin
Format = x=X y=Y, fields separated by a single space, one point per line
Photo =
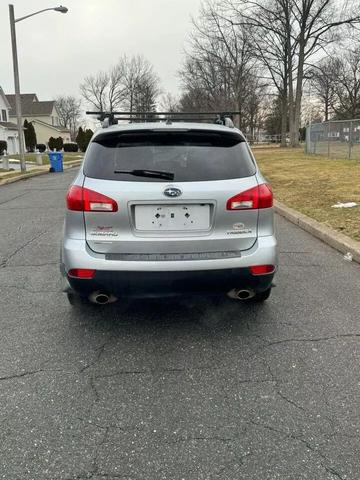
x=337 y=240
x=67 y=165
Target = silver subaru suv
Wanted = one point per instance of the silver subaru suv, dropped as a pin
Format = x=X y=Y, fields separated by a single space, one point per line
x=168 y=208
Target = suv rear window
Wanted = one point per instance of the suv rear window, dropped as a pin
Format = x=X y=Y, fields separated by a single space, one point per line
x=191 y=156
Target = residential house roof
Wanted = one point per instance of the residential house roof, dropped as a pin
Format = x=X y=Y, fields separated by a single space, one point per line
x=57 y=128
x=30 y=105
x=2 y=94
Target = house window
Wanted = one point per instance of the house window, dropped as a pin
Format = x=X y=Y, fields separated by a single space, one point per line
x=4 y=115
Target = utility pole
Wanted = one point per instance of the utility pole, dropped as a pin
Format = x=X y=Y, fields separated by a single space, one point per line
x=17 y=90
x=13 y=20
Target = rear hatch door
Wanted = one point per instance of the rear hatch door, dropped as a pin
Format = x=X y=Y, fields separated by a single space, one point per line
x=183 y=214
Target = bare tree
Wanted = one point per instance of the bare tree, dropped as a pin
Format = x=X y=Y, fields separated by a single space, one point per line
x=220 y=68
x=116 y=90
x=317 y=23
x=169 y=103
x=268 y=31
x=308 y=26
x=94 y=90
x=141 y=84
x=131 y=84
x=323 y=79
x=347 y=89
x=69 y=110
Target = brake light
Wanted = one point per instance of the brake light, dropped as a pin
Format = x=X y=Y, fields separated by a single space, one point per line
x=262 y=269
x=85 y=200
x=257 y=197
x=81 y=273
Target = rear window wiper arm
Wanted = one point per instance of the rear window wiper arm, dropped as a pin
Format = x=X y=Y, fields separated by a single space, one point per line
x=148 y=173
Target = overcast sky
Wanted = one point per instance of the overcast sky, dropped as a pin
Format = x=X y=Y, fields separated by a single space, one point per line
x=57 y=51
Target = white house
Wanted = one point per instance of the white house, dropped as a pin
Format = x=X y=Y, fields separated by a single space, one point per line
x=8 y=130
x=42 y=114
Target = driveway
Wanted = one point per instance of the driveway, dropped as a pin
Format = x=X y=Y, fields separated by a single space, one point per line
x=189 y=389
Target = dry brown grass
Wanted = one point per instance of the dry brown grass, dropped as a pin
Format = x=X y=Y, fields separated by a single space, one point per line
x=312 y=184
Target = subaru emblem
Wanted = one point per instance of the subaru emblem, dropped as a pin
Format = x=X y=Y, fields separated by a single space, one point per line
x=172 y=192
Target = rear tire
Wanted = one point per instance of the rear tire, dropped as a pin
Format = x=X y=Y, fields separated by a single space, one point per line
x=259 y=297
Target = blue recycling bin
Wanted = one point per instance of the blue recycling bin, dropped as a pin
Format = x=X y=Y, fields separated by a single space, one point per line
x=56 y=161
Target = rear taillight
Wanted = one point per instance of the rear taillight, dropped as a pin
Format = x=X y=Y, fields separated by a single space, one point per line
x=86 y=200
x=262 y=269
x=81 y=273
x=257 y=197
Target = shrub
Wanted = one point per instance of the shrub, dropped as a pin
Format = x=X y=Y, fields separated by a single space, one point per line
x=41 y=147
x=52 y=143
x=83 y=138
x=3 y=147
x=30 y=136
x=88 y=134
x=71 y=147
x=80 y=139
x=56 y=143
x=60 y=143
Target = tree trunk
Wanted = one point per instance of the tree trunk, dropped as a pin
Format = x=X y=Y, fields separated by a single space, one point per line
x=291 y=107
x=290 y=77
x=326 y=110
x=284 y=114
x=298 y=97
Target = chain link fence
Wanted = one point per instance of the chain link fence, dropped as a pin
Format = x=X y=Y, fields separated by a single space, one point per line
x=334 y=139
x=263 y=139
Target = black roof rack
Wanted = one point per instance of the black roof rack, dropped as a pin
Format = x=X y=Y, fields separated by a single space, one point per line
x=112 y=118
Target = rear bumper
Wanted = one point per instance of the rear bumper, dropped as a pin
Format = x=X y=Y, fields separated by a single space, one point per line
x=152 y=284
x=139 y=278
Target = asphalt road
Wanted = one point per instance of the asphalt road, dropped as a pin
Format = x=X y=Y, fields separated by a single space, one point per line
x=174 y=389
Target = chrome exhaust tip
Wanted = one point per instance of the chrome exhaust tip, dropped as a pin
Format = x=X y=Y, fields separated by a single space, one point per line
x=241 y=294
x=102 y=298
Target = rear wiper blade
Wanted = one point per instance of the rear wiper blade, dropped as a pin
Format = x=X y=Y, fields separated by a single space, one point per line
x=148 y=173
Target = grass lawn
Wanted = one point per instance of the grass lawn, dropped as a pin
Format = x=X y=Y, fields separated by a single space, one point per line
x=312 y=184
x=68 y=156
x=31 y=157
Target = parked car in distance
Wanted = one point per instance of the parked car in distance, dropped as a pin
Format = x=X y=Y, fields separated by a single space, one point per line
x=168 y=208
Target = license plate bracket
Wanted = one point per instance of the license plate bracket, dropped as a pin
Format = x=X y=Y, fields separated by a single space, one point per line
x=182 y=217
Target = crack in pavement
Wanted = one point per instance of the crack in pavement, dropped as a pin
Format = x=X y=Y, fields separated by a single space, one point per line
x=14 y=198
x=31 y=372
x=200 y=439
x=94 y=471
x=308 y=340
x=4 y=262
x=161 y=371
x=292 y=402
x=99 y=352
x=45 y=264
x=313 y=449
x=20 y=375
